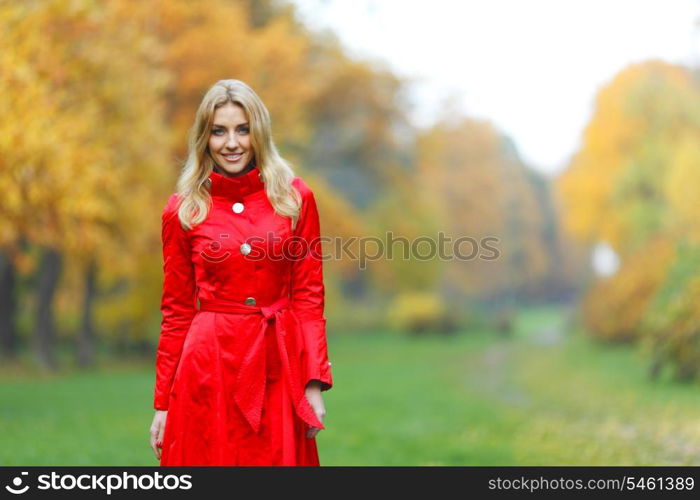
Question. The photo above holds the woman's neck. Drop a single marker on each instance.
(247, 169)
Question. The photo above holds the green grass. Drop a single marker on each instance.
(546, 396)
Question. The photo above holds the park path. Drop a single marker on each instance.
(597, 423)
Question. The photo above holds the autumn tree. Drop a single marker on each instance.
(83, 148)
(630, 185)
(483, 192)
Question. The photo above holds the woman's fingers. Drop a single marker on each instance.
(316, 401)
(154, 439)
(159, 443)
(157, 431)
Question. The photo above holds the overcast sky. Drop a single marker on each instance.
(531, 67)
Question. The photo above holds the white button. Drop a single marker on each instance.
(237, 207)
(329, 363)
(245, 249)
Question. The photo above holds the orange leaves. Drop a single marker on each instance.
(204, 45)
(82, 123)
(615, 307)
(681, 187)
(613, 186)
(475, 187)
(634, 185)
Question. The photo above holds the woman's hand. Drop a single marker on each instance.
(157, 430)
(313, 395)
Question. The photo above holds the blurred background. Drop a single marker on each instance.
(569, 131)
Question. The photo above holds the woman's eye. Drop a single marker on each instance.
(244, 130)
(217, 131)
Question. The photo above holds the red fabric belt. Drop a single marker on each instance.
(250, 382)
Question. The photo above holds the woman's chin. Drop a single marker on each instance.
(228, 168)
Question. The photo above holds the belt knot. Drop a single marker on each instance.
(251, 380)
(270, 311)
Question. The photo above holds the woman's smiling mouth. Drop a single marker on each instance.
(233, 157)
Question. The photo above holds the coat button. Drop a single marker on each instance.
(250, 301)
(237, 207)
(245, 248)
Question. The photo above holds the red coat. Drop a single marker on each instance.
(232, 371)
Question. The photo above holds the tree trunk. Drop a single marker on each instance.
(86, 336)
(49, 273)
(8, 307)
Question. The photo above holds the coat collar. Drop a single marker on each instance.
(236, 187)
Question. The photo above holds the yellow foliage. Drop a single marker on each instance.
(634, 184)
(681, 188)
(479, 189)
(207, 44)
(417, 312)
(672, 324)
(613, 188)
(614, 307)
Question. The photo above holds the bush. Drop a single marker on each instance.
(614, 307)
(672, 323)
(421, 313)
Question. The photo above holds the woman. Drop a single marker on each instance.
(239, 378)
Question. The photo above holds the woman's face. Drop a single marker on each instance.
(229, 141)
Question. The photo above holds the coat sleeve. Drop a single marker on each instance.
(308, 291)
(178, 304)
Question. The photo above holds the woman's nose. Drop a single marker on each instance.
(232, 141)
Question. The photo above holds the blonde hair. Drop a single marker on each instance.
(193, 185)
